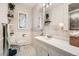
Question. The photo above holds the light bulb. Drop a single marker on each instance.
(50, 4)
(47, 5)
(61, 25)
(44, 4)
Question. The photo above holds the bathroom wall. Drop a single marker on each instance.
(14, 25)
(3, 19)
(36, 19)
(3, 12)
(58, 14)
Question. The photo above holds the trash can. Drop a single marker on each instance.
(12, 52)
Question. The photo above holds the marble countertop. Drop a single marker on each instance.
(76, 33)
(1, 38)
(61, 44)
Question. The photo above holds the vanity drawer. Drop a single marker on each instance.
(74, 41)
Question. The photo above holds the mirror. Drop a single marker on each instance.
(22, 20)
(74, 16)
(44, 16)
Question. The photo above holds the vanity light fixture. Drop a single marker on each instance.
(47, 4)
(50, 3)
(44, 4)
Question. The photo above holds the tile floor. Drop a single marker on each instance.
(27, 50)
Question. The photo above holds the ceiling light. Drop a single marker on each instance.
(44, 4)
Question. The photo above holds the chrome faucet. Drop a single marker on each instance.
(41, 32)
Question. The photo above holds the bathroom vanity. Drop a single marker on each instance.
(54, 47)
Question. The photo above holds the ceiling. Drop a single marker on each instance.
(28, 5)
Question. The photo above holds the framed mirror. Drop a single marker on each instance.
(22, 23)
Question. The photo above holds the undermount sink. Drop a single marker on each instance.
(49, 36)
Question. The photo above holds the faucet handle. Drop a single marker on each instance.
(24, 35)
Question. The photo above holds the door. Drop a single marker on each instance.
(5, 39)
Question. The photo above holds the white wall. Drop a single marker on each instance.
(3, 19)
(19, 32)
(36, 19)
(3, 12)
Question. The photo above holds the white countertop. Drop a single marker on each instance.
(1, 38)
(61, 44)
